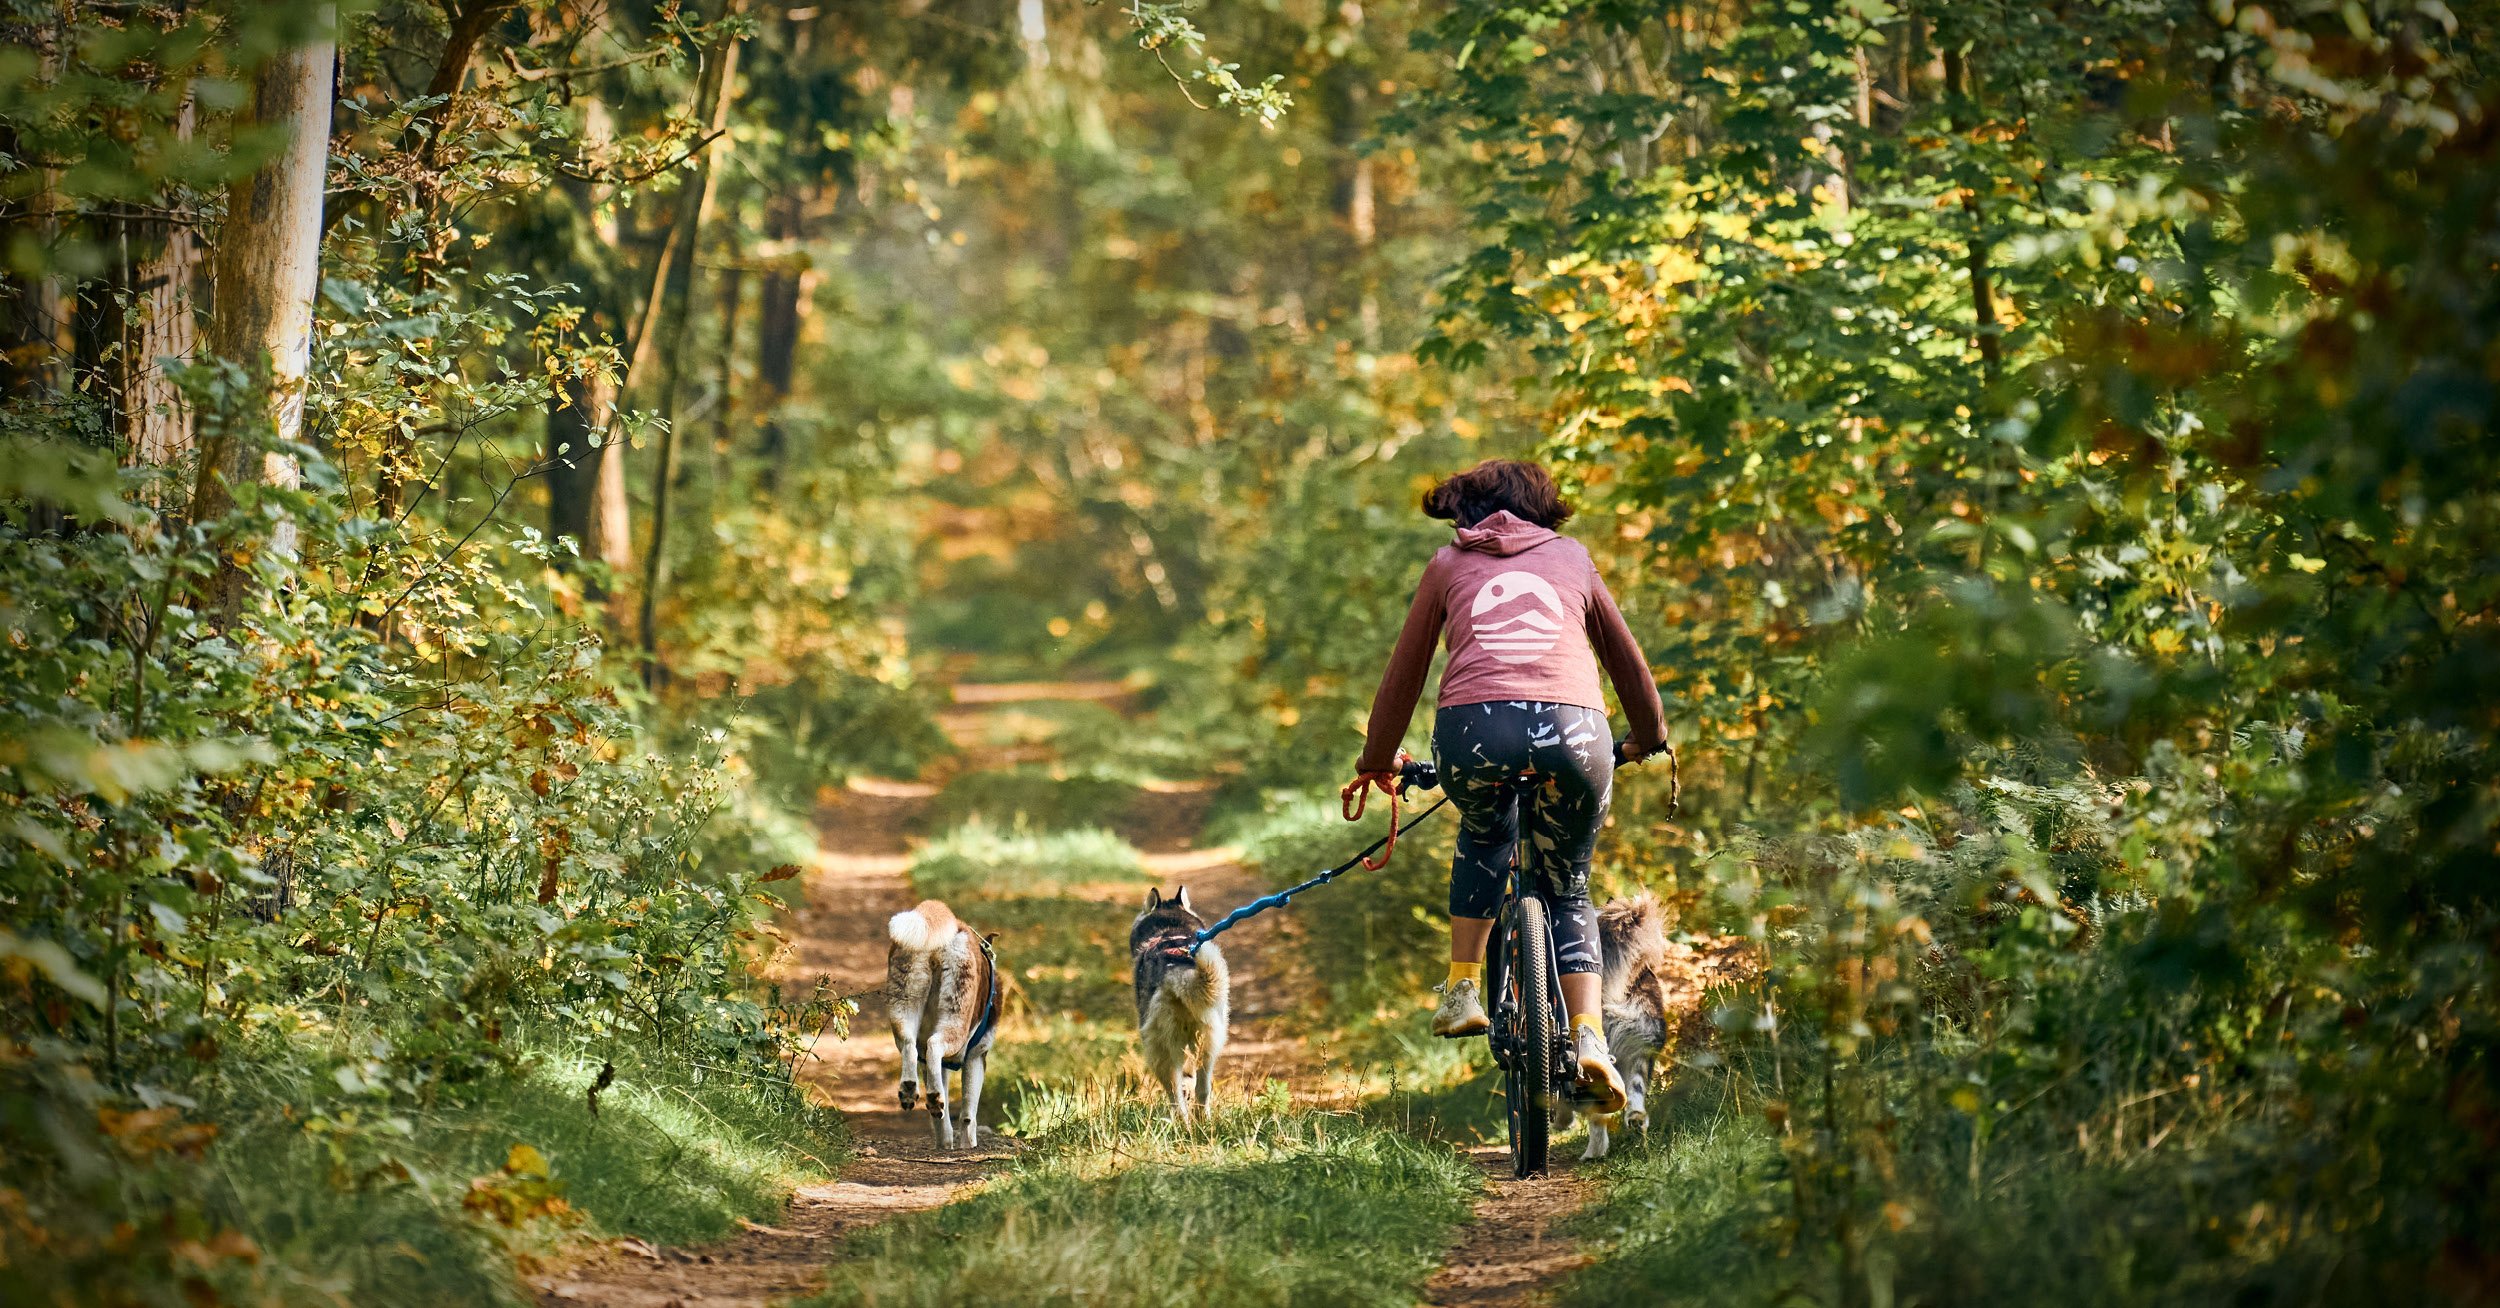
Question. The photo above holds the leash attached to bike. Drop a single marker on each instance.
(1412, 773)
(1353, 809)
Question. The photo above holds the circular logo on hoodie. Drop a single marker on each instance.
(1514, 631)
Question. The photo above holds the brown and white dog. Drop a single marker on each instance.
(940, 983)
(1632, 931)
(1184, 998)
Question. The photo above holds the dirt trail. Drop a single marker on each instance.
(858, 882)
(1513, 1249)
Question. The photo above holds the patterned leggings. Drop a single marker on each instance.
(1549, 768)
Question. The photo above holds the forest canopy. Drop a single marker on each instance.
(477, 474)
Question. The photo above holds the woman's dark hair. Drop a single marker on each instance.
(1524, 488)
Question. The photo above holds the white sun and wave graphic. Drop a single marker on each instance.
(1521, 634)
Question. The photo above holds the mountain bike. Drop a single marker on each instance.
(1530, 1036)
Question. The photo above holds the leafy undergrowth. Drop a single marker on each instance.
(1696, 1213)
(1266, 1205)
(980, 856)
(379, 1203)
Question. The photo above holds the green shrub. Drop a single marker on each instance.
(815, 731)
(285, 873)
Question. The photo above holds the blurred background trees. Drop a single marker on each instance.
(2044, 449)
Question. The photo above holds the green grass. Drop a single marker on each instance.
(1039, 798)
(1686, 1211)
(1097, 739)
(1266, 1206)
(363, 1205)
(984, 858)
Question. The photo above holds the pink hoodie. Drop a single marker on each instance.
(1525, 617)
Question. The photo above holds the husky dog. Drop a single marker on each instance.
(941, 996)
(1632, 932)
(1184, 999)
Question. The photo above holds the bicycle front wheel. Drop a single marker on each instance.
(1527, 954)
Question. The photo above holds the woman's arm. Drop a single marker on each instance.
(1626, 667)
(1402, 682)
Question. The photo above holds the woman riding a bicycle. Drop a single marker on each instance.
(1520, 735)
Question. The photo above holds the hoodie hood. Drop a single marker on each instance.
(1503, 534)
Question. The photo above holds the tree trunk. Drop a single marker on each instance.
(577, 430)
(725, 412)
(780, 305)
(611, 508)
(672, 292)
(1961, 86)
(161, 266)
(586, 491)
(41, 341)
(268, 268)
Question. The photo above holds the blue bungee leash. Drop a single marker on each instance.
(1281, 897)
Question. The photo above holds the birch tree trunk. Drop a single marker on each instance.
(268, 269)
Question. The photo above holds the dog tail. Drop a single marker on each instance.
(1632, 933)
(923, 928)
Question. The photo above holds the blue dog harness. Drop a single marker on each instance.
(989, 1010)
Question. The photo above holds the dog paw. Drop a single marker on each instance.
(1636, 1120)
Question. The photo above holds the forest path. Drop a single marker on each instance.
(858, 882)
(865, 839)
(1513, 1249)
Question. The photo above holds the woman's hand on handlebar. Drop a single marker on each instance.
(1627, 752)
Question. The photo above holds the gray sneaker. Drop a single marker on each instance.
(1599, 1083)
(1461, 1012)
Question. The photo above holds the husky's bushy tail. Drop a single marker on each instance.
(1632, 932)
(938, 984)
(924, 928)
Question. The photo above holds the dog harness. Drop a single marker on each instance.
(989, 1011)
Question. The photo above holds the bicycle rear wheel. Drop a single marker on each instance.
(1526, 953)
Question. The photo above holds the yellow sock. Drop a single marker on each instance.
(1466, 972)
(1592, 1021)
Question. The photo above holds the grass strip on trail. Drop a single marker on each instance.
(982, 857)
(1267, 1206)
